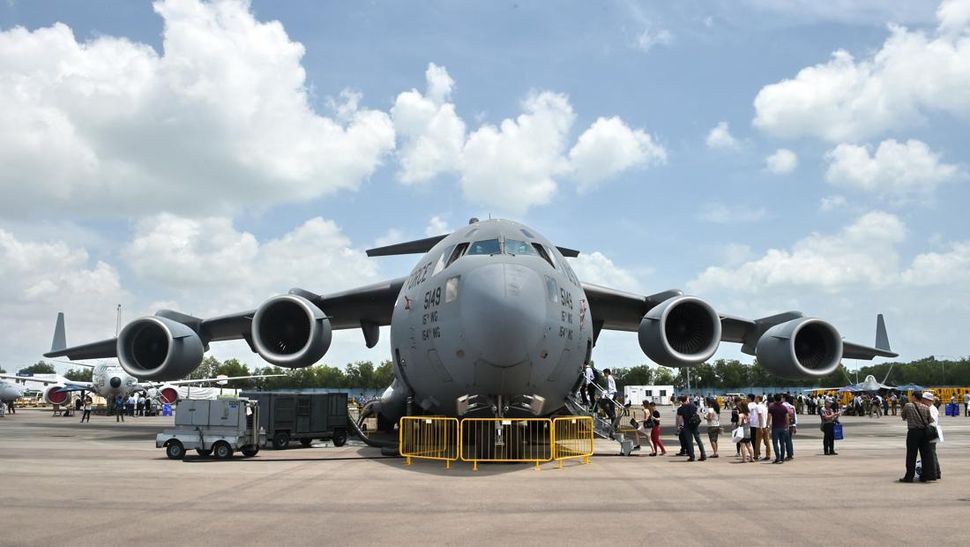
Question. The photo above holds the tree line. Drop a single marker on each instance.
(719, 374)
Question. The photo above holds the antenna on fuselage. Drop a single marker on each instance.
(118, 321)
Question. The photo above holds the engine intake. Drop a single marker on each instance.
(157, 348)
(680, 332)
(290, 331)
(799, 348)
(54, 395)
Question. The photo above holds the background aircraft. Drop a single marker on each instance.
(492, 321)
(10, 391)
(109, 380)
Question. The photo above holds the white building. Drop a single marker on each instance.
(637, 395)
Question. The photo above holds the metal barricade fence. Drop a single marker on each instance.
(506, 440)
(429, 438)
(572, 438)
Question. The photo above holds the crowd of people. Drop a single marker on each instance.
(762, 428)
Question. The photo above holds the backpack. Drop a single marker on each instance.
(693, 421)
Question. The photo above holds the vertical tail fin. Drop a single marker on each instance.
(60, 340)
(882, 338)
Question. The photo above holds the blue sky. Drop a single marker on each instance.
(765, 155)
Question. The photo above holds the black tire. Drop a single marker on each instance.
(281, 440)
(222, 450)
(204, 452)
(250, 451)
(174, 450)
(339, 437)
(305, 442)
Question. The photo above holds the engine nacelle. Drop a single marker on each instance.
(55, 396)
(290, 331)
(800, 348)
(680, 332)
(157, 348)
(168, 394)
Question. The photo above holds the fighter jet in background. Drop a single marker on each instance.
(492, 321)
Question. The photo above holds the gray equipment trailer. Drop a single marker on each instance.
(218, 427)
(291, 415)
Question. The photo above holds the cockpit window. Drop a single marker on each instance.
(542, 252)
(485, 247)
(515, 247)
(457, 253)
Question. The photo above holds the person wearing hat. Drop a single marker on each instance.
(935, 422)
(917, 418)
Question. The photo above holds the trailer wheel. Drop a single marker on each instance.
(339, 437)
(306, 442)
(174, 450)
(204, 452)
(250, 451)
(222, 450)
(281, 440)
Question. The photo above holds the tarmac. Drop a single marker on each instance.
(62, 482)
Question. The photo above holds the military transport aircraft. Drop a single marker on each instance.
(492, 321)
(109, 380)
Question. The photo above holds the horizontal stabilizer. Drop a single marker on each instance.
(408, 247)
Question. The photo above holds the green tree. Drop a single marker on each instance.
(40, 367)
(79, 374)
(664, 376)
(360, 374)
(206, 369)
(384, 374)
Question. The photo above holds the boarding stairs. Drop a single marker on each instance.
(602, 426)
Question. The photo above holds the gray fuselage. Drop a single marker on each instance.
(491, 321)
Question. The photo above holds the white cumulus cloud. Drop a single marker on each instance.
(720, 138)
(899, 171)
(219, 119)
(432, 134)
(848, 99)
(863, 253)
(608, 147)
(782, 162)
(598, 269)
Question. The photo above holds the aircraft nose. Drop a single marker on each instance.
(503, 312)
(115, 382)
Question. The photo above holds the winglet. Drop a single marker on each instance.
(60, 340)
(882, 339)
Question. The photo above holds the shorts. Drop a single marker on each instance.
(713, 432)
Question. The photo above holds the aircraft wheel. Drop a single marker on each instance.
(174, 450)
(305, 442)
(281, 440)
(222, 450)
(339, 437)
(204, 452)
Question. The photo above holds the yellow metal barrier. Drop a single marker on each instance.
(429, 438)
(506, 440)
(572, 438)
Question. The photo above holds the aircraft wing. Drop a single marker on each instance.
(366, 308)
(611, 309)
(205, 380)
(69, 385)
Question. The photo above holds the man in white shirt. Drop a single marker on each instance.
(587, 380)
(934, 422)
(765, 433)
(754, 419)
(966, 404)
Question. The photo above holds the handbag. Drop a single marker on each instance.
(837, 433)
(932, 433)
(737, 435)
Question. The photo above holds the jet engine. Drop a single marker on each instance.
(157, 348)
(168, 394)
(55, 396)
(799, 348)
(290, 331)
(681, 331)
